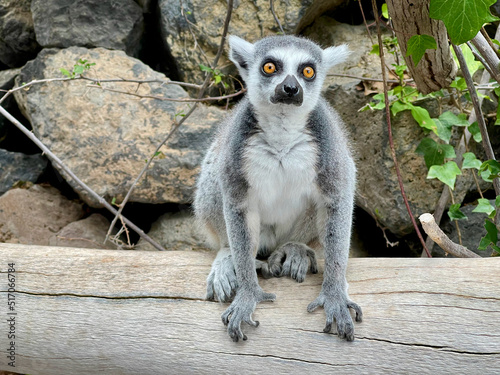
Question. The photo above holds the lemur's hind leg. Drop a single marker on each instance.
(221, 282)
(293, 259)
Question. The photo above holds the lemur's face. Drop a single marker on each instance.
(284, 73)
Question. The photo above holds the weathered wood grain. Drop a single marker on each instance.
(123, 312)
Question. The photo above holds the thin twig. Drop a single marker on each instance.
(276, 17)
(25, 86)
(490, 56)
(478, 56)
(367, 79)
(157, 97)
(177, 125)
(389, 128)
(366, 24)
(61, 165)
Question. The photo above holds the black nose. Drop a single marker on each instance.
(291, 90)
(288, 92)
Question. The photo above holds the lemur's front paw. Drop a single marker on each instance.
(241, 310)
(221, 281)
(337, 305)
(293, 259)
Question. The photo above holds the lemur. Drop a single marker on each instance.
(278, 178)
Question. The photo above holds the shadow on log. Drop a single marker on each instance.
(84, 311)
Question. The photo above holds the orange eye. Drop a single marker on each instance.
(308, 72)
(269, 68)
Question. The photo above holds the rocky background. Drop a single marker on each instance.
(104, 137)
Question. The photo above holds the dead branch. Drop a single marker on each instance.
(438, 236)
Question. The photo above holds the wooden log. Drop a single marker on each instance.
(82, 311)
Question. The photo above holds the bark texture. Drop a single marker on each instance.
(436, 69)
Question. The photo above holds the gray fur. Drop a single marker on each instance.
(279, 177)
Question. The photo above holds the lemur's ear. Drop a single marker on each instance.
(240, 53)
(335, 55)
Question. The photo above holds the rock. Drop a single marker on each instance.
(472, 230)
(328, 32)
(17, 36)
(32, 216)
(175, 231)
(105, 137)
(192, 29)
(7, 78)
(88, 233)
(17, 167)
(115, 24)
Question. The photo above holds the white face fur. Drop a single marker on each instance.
(290, 56)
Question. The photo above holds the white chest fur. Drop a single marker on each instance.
(280, 167)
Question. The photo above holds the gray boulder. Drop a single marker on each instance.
(31, 216)
(115, 24)
(7, 78)
(17, 35)
(87, 233)
(192, 29)
(17, 167)
(176, 231)
(105, 137)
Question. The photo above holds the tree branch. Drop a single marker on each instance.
(438, 236)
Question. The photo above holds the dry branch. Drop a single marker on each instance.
(439, 237)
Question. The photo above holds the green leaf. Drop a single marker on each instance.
(489, 170)
(497, 121)
(463, 18)
(446, 173)
(434, 153)
(446, 122)
(470, 60)
(454, 212)
(65, 72)
(491, 237)
(375, 50)
(470, 161)
(476, 133)
(113, 201)
(205, 68)
(459, 83)
(484, 205)
(418, 44)
(443, 131)
(450, 119)
(78, 69)
(497, 201)
(385, 12)
(423, 118)
(399, 106)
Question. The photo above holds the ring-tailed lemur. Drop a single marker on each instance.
(279, 177)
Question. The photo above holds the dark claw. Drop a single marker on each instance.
(327, 328)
